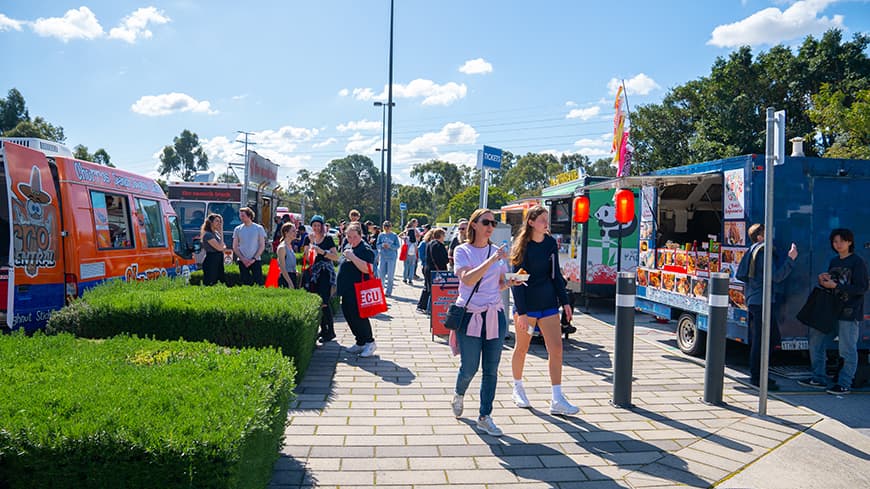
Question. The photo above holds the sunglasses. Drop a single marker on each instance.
(487, 222)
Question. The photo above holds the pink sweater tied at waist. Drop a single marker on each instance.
(475, 324)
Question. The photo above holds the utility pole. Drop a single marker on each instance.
(245, 183)
(389, 186)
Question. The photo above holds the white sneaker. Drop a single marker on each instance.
(355, 348)
(369, 349)
(563, 407)
(457, 404)
(520, 399)
(488, 425)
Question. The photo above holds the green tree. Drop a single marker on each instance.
(346, 183)
(228, 177)
(443, 178)
(530, 174)
(37, 128)
(846, 126)
(184, 158)
(603, 167)
(722, 114)
(100, 157)
(13, 110)
(467, 201)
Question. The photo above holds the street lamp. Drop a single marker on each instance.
(389, 185)
(382, 149)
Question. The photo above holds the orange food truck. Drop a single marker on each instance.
(67, 225)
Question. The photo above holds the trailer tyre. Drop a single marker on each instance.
(690, 339)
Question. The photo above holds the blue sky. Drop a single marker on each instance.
(526, 76)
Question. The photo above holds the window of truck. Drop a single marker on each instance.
(112, 220)
(229, 211)
(560, 221)
(151, 219)
(191, 214)
(178, 244)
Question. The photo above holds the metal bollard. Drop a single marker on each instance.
(624, 343)
(714, 372)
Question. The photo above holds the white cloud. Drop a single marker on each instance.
(477, 66)
(75, 24)
(428, 145)
(240, 97)
(639, 85)
(431, 92)
(343, 92)
(570, 103)
(772, 25)
(595, 147)
(362, 144)
(584, 114)
(6, 24)
(363, 125)
(168, 103)
(284, 139)
(324, 143)
(135, 25)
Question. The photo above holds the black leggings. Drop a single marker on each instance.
(360, 327)
(324, 289)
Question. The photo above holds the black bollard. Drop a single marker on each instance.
(624, 343)
(714, 373)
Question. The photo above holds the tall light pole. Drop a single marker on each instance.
(389, 186)
(382, 149)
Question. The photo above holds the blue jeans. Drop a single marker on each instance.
(471, 349)
(848, 345)
(386, 271)
(410, 266)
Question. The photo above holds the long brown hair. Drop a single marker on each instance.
(207, 225)
(518, 248)
(475, 216)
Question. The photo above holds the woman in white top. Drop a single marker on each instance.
(483, 328)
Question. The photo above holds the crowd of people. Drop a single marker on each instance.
(536, 283)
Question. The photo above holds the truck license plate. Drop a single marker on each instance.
(795, 345)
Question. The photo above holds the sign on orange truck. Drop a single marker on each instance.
(67, 225)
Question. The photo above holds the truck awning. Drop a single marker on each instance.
(651, 181)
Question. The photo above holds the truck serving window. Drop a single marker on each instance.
(151, 219)
(178, 244)
(111, 220)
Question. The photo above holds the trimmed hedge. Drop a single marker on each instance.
(138, 413)
(231, 275)
(169, 309)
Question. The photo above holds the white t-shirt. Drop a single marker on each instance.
(467, 256)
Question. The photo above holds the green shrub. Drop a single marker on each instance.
(168, 309)
(137, 413)
(231, 275)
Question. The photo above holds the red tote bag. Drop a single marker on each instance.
(370, 300)
(403, 253)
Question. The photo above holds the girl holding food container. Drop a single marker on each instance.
(537, 299)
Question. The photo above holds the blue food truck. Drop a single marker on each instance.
(695, 221)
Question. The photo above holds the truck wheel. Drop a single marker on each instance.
(690, 339)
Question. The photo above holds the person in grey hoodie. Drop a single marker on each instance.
(751, 272)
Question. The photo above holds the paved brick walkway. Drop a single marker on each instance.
(386, 421)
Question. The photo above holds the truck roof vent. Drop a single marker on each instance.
(203, 176)
(50, 148)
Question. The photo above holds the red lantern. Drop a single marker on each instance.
(581, 209)
(624, 199)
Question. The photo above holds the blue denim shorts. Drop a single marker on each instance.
(542, 314)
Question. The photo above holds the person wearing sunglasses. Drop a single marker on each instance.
(481, 270)
(537, 302)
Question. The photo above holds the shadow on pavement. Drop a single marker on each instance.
(289, 472)
(528, 461)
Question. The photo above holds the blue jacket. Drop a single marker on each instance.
(393, 252)
(755, 267)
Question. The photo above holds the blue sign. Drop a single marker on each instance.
(491, 157)
(403, 206)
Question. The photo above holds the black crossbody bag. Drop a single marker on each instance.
(455, 314)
